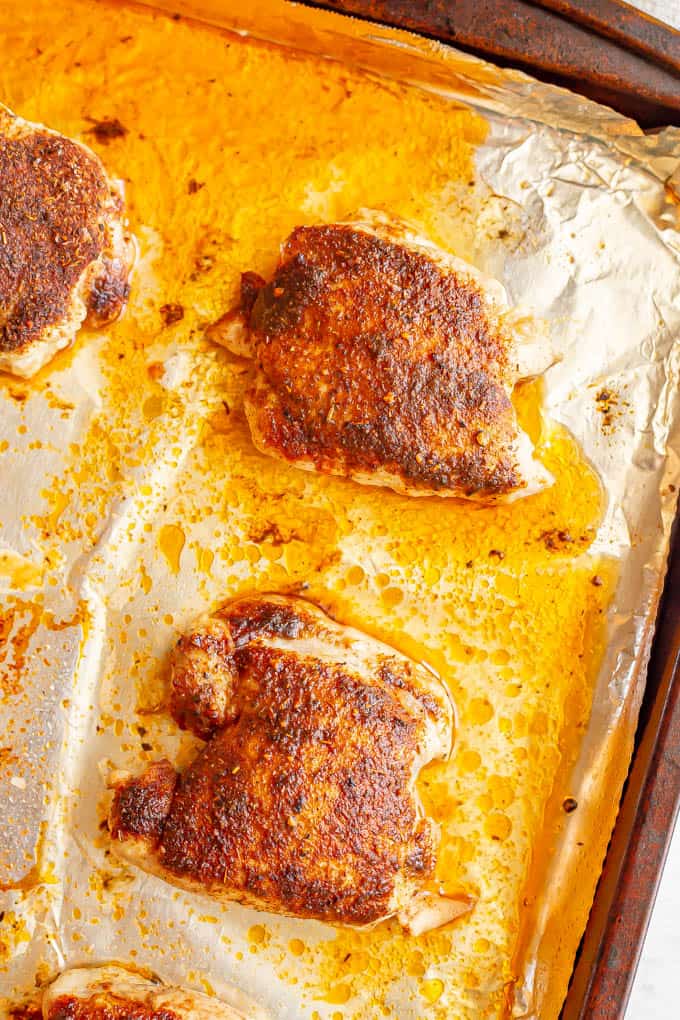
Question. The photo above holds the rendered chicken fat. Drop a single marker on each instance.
(303, 800)
(383, 358)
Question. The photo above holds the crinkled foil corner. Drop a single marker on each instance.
(600, 202)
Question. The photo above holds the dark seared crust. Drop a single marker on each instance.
(304, 801)
(54, 204)
(373, 357)
(204, 671)
(109, 292)
(251, 285)
(201, 680)
(249, 619)
(142, 805)
(108, 1007)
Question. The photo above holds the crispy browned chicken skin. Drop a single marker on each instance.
(303, 800)
(64, 254)
(381, 357)
(111, 992)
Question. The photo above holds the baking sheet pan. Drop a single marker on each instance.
(561, 161)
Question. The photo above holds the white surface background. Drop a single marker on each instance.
(665, 10)
(656, 992)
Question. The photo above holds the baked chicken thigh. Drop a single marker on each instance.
(64, 253)
(114, 993)
(381, 357)
(303, 799)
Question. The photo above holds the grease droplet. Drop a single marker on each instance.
(171, 543)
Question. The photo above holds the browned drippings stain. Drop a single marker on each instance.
(107, 129)
(27, 1011)
(19, 622)
(611, 407)
(171, 313)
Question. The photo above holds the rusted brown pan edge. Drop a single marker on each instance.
(550, 45)
(627, 889)
(632, 28)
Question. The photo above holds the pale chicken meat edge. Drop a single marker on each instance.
(112, 992)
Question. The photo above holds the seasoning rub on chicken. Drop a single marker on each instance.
(64, 253)
(383, 358)
(112, 992)
(303, 800)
